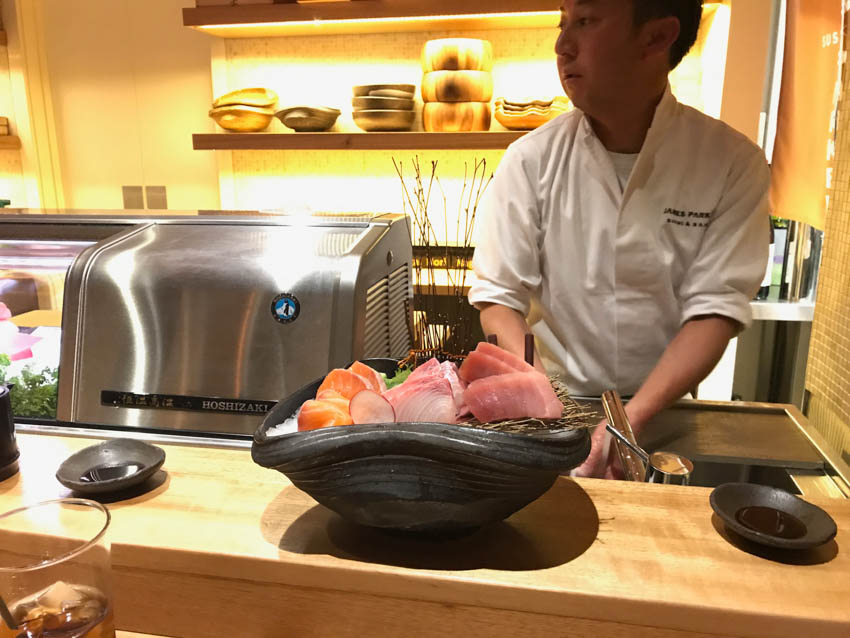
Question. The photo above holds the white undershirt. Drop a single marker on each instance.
(623, 165)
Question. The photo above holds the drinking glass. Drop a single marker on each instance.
(55, 571)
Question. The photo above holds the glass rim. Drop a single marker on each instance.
(74, 552)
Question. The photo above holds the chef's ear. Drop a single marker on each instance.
(659, 35)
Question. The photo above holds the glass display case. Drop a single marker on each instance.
(32, 282)
(35, 253)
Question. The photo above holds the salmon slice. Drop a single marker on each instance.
(376, 381)
(328, 393)
(346, 382)
(321, 414)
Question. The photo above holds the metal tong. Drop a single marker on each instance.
(638, 465)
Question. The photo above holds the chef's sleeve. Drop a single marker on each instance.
(506, 262)
(731, 262)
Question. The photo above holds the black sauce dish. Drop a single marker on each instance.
(111, 466)
(420, 478)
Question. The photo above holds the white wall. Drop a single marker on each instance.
(130, 84)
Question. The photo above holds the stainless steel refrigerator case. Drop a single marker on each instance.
(202, 324)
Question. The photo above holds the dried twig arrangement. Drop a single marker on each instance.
(443, 324)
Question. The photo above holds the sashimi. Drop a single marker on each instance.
(513, 396)
(427, 399)
(509, 358)
(431, 368)
(375, 380)
(450, 374)
(346, 382)
(479, 365)
(447, 370)
(321, 414)
(488, 360)
(367, 406)
(329, 393)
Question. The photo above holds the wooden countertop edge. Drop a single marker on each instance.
(200, 548)
(437, 588)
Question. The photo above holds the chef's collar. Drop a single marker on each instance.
(663, 114)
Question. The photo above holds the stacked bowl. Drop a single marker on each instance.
(245, 110)
(524, 116)
(457, 84)
(383, 107)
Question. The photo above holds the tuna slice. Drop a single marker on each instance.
(428, 399)
(479, 365)
(367, 406)
(513, 396)
(517, 363)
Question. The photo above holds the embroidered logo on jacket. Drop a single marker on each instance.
(689, 218)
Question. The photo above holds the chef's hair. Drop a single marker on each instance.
(688, 12)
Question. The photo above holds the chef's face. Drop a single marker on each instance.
(598, 50)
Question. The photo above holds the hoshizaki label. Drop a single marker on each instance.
(180, 402)
(286, 308)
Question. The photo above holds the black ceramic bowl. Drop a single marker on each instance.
(111, 466)
(427, 478)
(773, 517)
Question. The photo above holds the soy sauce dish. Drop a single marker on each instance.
(110, 466)
(772, 517)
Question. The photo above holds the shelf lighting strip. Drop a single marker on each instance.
(320, 23)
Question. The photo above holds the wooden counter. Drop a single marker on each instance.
(225, 548)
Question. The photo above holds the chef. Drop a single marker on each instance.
(630, 234)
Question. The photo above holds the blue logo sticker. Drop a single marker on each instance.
(286, 308)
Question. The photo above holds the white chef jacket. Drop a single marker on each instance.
(607, 276)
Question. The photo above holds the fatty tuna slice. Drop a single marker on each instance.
(513, 396)
(449, 371)
(428, 399)
(431, 368)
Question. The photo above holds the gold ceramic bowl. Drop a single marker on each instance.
(393, 90)
(308, 118)
(384, 119)
(244, 119)
(524, 116)
(257, 97)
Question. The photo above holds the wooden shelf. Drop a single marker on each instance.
(2, 38)
(9, 142)
(369, 16)
(354, 141)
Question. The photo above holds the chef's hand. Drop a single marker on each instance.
(603, 461)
